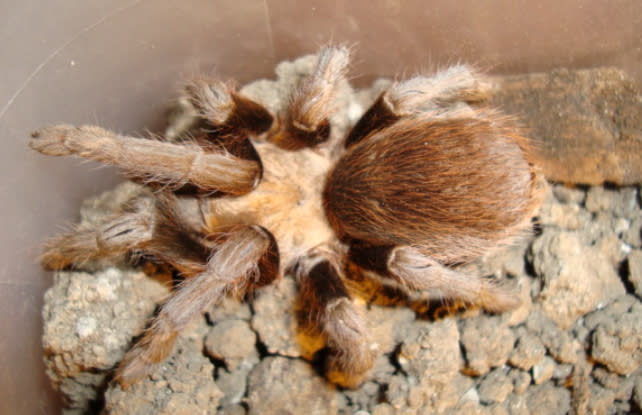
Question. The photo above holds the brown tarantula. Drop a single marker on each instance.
(427, 179)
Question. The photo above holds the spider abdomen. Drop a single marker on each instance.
(456, 187)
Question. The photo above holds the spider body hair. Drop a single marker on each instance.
(456, 188)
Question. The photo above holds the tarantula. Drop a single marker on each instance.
(426, 179)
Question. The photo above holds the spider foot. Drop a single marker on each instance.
(352, 351)
(331, 312)
(144, 357)
(59, 140)
(417, 271)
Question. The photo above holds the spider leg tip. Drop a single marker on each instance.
(51, 141)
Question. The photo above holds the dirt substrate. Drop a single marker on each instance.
(574, 346)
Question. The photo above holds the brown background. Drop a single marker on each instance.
(118, 63)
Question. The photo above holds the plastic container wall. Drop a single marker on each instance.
(119, 63)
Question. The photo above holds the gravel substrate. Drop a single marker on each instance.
(574, 346)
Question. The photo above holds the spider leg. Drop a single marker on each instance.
(331, 311)
(235, 266)
(445, 95)
(173, 165)
(417, 271)
(307, 122)
(118, 235)
(233, 115)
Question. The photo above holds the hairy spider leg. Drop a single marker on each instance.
(115, 236)
(417, 271)
(232, 115)
(445, 95)
(149, 161)
(306, 123)
(233, 267)
(330, 311)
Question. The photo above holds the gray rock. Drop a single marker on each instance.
(229, 308)
(580, 332)
(621, 202)
(431, 357)
(622, 408)
(487, 342)
(495, 386)
(599, 199)
(528, 351)
(627, 203)
(622, 386)
(637, 393)
(233, 342)
(232, 410)
(544, 370)
(566, 194)
(562, 372)
(576, 278)
(635, 271)
(89, 321)
(273, 94)
(441, 397)
(431, 351)
(463, 385)
(182, 385)
(621, 306)
(498, 409)
(616, 335)
(274, 319)
(232, 384)
(390, 326)
(548, 399)
(521, 380)
(280, 386)
(429, 396)
(600, 400)
(417, 397)
(601, 226)
(97, 209)
(633, 235)
(470, 408)
(397, 392)
(618, 343)
(565, 216)
(558, 343)
(622, 225)
(383, 409)
(471, 395)
(518, 405)
(364, 397)
(613, 249)
(383, 369)
(519, 315)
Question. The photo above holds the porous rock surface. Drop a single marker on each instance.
(574, 346)
(588, 123)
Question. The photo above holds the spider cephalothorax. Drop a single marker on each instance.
(425, 180)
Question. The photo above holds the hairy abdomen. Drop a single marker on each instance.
(456, 188)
